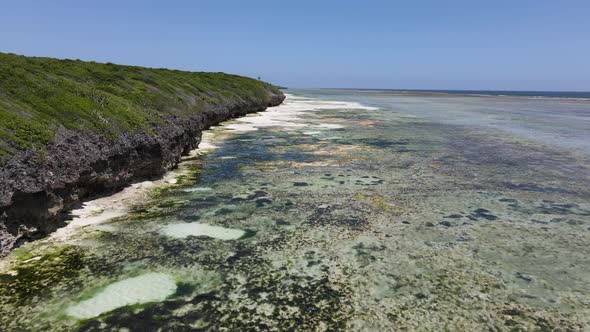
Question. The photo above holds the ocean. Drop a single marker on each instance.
(582, 95)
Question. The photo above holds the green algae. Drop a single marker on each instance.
(33, 276)
(377, 202)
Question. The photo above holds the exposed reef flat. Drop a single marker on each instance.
(73, 130)
(380, 220)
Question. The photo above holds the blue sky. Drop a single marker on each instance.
(505, 45)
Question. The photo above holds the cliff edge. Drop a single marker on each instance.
(72, 130)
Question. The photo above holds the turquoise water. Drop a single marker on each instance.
(355, 210)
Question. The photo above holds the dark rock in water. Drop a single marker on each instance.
(524, 277)
(257, 194)
(405, 222)
(575, 222)
(548, 207)
(262, 202)
(508, 200)
(191, 218)
(223, 212)
(464, 238)
(300, 184)
(454, 216)
(429, 224)
(482, 213)
(281, 222)
(325, 216)
(511, 202)
(445, 223)
(421, 296)
(249, 233)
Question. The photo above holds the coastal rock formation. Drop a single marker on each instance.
(40, 183)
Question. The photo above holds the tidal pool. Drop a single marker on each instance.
(426, 213)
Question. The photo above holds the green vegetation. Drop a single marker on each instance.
(35, 275)
(40, 95)
(376, 202)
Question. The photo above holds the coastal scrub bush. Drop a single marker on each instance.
(40, 95)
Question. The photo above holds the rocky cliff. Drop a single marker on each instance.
(73, 130)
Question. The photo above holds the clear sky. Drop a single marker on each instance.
(419, 44)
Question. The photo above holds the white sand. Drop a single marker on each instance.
(149, 287)
(105, 208)
(182, 230)
(117, 205)
(289, 115)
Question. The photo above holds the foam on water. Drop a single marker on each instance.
(149, 287)
(182, 230)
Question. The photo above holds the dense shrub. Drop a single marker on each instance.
(39, 95)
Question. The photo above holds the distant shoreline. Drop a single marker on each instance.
(574, 95)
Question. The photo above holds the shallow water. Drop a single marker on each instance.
(150, 287)
(341, 210)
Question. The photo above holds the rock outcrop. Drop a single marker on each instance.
(39, 186)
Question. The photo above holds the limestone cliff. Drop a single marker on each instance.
(72, 130)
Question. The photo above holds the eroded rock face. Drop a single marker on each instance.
(36, 192)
